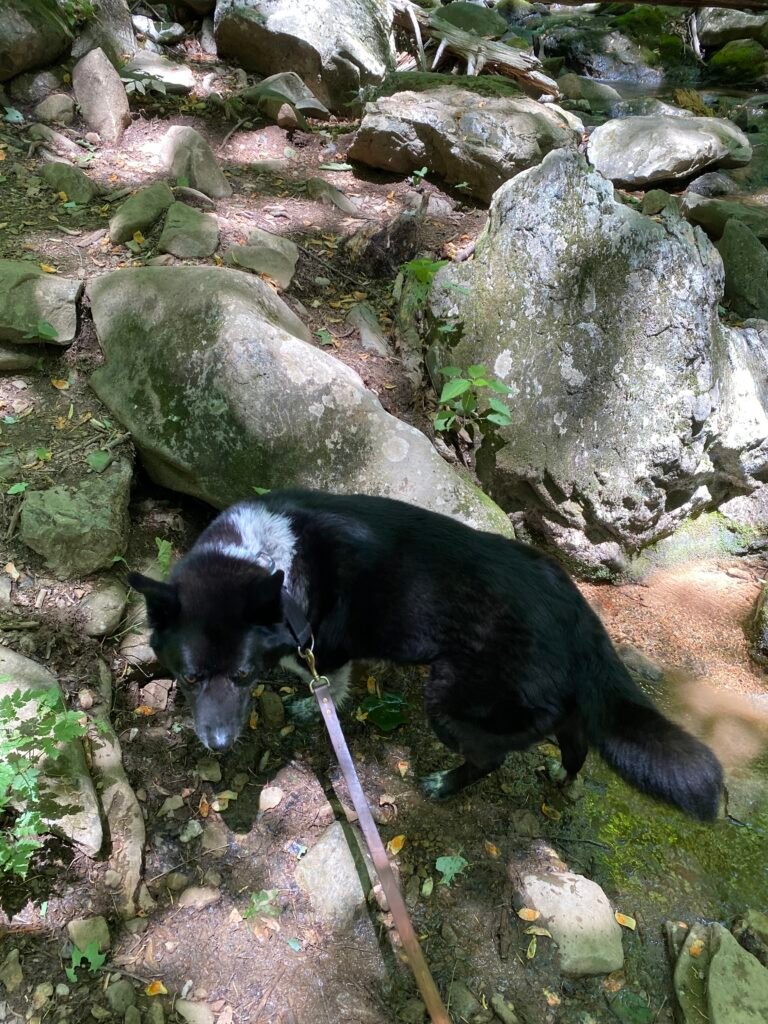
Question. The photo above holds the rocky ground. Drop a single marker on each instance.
(236, 889)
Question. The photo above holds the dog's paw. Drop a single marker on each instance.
(437, 786)
(304, 711)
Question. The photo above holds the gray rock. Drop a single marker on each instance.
(155, 1013)
(339, 46)
(218, 351)
(758, 647)
(186, 154)
(569, 299)
(597, 94)
(459, 139)
(79, 529)
(272, 710)
(68, 800)
(165, 33)
(268, 254)
(34, 86)
(635, 151)
(189, 234)
(737, 983)
(198, 897)
(120, 995)
(133, 1013)
(657, 200)
(12, 359)
(76, 183)
(194, 1013)
(84, 930)
(177, 78)
(713, 183)
(595, 49)
(56, 141)
(31, 297)
(328, 875)
(647, 106)
(140, 211)
(192, 197)
(58, 108)
(135, 647)
(473, 18)
(363, 318)
(713, 214)
(101, 96)
(577, 913)
(207, 37)
(462, 1002)
(751, 932)
(11, 974)
(109, 30)
(101, 612)
(718, 26)
(289, 85)
(745, 261)
(33, 33)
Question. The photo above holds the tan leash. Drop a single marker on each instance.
(320, 687)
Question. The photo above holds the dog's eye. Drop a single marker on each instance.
(192, 680)
(242, 674)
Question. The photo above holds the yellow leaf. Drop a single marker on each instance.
(360, 715)
(60, 384)
(625, 921)
(528, 914)
(553, 999)
(696, 948)
(144, 710)
(551, 812)
(48, 269)
(203, 807)
(371, 685)
(287, 730)
(2, 154)
(614, 982)
(12, 571)
(253, 721)
(536, 929)
(138, 238)
(491, 849)
(395, 845)
(530, 953)
(258, 690)
(66, 79)
(156, 988)
(63, 196)
(218, 260)
(402, 767)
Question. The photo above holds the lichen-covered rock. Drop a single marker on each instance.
(740, 61)
(31, 297)
(578, 87)
(737, 983)
(266, 253)
(78, 187)
(109, 29)
(185, 154)
(101, 96)
(635, 151)
(201, 361)
(289, 85)
(336, 46)
(69, 804)
(80, 529)
(33, 33)
(745, 261)
(713, 214)
(632, 408)
(460, 139)
(140, 211)
(188, 234)
(329, 877)
(718, 26)
(58, 108)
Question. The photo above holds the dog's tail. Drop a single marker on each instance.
(647, 750)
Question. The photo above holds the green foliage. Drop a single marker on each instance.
(418, 274)
(417, 177)
(449, 867)
(18, 488)
(92, 957)
(164, 556)
(262, 904)
(465, 405)
(141, 83)
(386, 710)
(42, 330)
(22, 744)
(77, 12)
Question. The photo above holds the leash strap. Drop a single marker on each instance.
(426, 984)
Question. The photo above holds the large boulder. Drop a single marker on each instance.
(101, 96)
(632, 408)
(68, 800)
(635, 151)
(109, 29)
(186, 155)
(216, 380)
(336, 46)
(32, 298)
(745, 261)
(459, 138)
(713, 214)
(718, 26)
(177, 78)
(32, 34)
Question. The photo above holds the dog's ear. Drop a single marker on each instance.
(265, 598)
(162, 598)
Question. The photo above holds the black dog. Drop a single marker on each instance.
(515, 652)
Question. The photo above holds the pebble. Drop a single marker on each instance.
(272, 710)
(83, 930)
(120, 995)
(209, 770)
(199, 897)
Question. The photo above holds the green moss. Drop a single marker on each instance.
(741, 60)
(420, 81)
(709, 535)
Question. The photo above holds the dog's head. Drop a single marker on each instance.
(216, 624)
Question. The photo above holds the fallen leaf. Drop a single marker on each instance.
(395, 845)
(428, 886)
(145, 710)
(536, 929)
(625, 921)
(530, 953)
(403, 767)
(614, 981)
(223, 799)
(156, 988)
(138, 238)
(553, 999)
(12, 571)
(253, 721)
(48, 269)
(203, 808)
(491, 849)
(60, 384)
(696, 948)
(371, 685)
(528, 914)
(551, 812)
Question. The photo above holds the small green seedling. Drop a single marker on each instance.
(18, 488)
(460, 406)
(386, 711)
(92, 957)
(42, 330)
(164, 556)
(417, 177)
(450, 867)
(262, 904)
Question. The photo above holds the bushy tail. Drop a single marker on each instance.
(650, 752)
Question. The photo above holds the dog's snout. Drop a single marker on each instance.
(219, 739)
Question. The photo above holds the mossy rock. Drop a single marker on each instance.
(741, 60)
(422, 81)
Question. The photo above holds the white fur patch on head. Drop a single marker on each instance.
(265, 537)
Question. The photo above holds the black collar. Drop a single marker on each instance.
(296, 621)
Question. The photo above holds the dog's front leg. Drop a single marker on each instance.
(305, 710)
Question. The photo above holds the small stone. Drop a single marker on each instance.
(272, 710)
(93, 137)
(155, 694)
(215, 839)
(199, 896)
(140, 211)
(84, 930)
(171, 804)
(166, 33)
(412, 1012)
(504, 1010)
(10, 971)
(449, 933)
(190, 831)
(176, 881)
(120, 995)
(155, 1013)
(56, 109)
(188, 233)
(62, 990)
(329, 877)
(208, 769)
(86, 698)
(112, 879)
(462, 1002)
(363, 318)
(212, 878)
(100, 1013)
(102, 610)
(132, 1015)
(186, 154)
(267, 254)
(194, 1013)
(137, 925)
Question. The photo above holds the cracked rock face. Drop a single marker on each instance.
(632, 407)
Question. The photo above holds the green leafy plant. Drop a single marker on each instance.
(449, 867)
(386, 710)
(141, 83)
(77, 12)
(24, 741)
(418, 274)
(18, 488)
(164, 556)
(262, 904)
(92, 957)
(417, 177)
(42, 330)
(465, 404)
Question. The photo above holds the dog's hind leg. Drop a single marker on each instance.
(482, 756)
(573, 747)
(445, 784)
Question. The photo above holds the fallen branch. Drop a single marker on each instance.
(480, 54)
